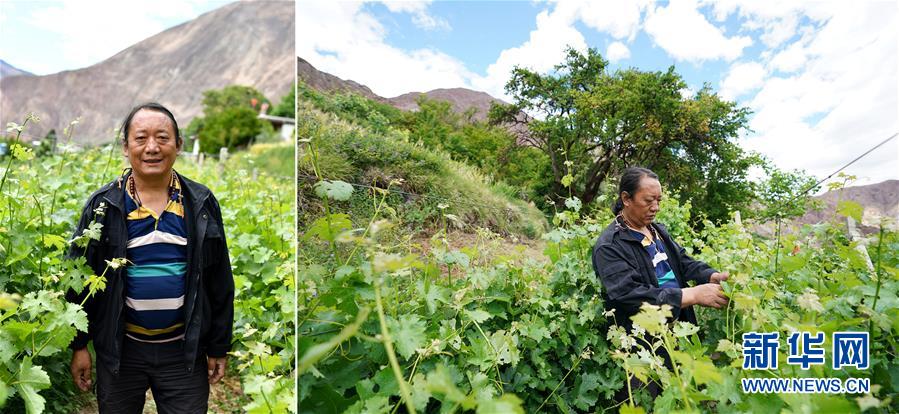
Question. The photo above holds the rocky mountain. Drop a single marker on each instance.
(7, 70)
(326, 82)
(461, 99)
(879, 200)
(243, 43)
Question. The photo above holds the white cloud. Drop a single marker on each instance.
(345, 40)
(841, 99)
(620, 19)
(790, 59)
(685, 34)
(341, 38)
(419, 11)
(777, 31)
(617, 51)
(743, 77)
(544, 49)
(556, 31)
(777, 20)
(92, 31)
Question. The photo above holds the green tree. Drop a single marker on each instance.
(230, 118)
(433, 123)
(232, 96)
(784, 194)
(287, 106)
(592, 124)
(47, 145)
(231, 127)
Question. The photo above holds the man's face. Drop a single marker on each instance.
(151, 147)
(642, 206)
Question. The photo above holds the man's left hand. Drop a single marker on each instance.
(718, 277)
(216, 368)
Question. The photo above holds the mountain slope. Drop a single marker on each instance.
(328, 83)
(879, 200)
(7, 70)
(462, 100)
(246, 43)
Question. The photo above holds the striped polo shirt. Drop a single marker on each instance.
(659, 260)
(157, 254)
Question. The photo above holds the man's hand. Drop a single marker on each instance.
(718, 277)
(709, 294)
(216, 368)
(81, 369)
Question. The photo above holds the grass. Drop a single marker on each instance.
(276, 159)
(429, 188)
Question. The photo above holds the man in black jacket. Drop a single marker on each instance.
(170, 308)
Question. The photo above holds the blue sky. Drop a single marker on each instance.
(44, 37)
(475, 23)
(820, 77)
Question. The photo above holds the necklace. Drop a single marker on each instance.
(653, 234)
(132, 188)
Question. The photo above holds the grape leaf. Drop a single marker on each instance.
(508, 403)
(408, 334)
(850, 208)
(334, 189)
(30, 380)
(478, 315)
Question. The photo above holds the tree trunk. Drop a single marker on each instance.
(598, 174)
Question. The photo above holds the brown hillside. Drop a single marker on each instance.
(7, 70)
(461, 99)
(879, 200)
(328, 83)
(245, 43)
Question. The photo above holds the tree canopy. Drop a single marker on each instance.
(230, 118)
(593, 123)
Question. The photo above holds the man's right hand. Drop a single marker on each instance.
(709, 294)
(81, 368)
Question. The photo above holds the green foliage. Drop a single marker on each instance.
(477, 333)
(335, 190)
(230, 127)
(425, 179)
(287, 106)
(492, 149)
(36, 323)
(47, 145)
(274, 159)
(434, 124)
(784, 194)
(42, 198)
(602, 122)
(230, 119)
(528, 170)
(232, 96)
(256, 213)
(377, 116)
(497, 337)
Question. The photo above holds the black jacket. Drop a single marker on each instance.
(209, 288)
(629, 279)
